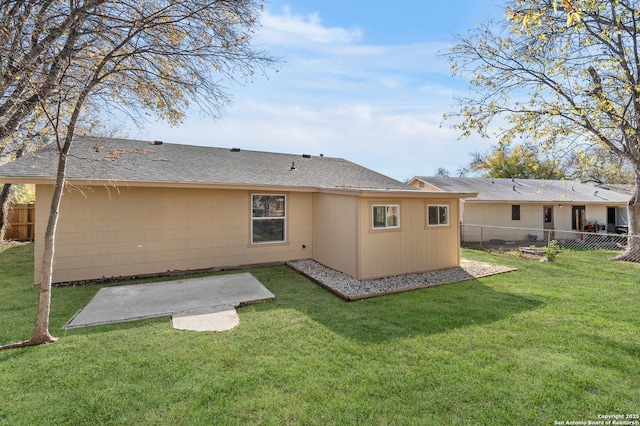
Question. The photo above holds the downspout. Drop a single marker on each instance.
(358, 201)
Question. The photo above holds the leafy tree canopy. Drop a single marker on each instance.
(558, 73)
(520, 161)
(153, 56)
(533, 75)
(23, 193)
(527, 162)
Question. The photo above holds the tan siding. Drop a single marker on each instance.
(415, 247)
(499, 215)
(496, 219)
(563, 218)
(425, 186)
(335, 232)
(131, 231)
(128, 231)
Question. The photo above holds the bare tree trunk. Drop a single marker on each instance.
(41, 330)
(632, 253)
(4, 210)
(41, 334)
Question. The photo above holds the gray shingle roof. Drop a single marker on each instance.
(527, 190)
(618, 187)
(108, 159)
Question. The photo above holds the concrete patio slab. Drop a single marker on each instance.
(138, 301)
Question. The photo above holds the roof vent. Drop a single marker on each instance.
(595, 193)
(155, 143)
(235, 149)
(306, 156)
(514, 187)
(293, 166)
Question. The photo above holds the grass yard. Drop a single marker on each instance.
(552, 342)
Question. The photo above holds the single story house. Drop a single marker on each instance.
(134, 208)
(509, 209)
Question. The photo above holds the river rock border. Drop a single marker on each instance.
(349, 288)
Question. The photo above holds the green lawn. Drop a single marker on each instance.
(551, 342)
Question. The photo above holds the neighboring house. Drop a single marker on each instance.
(530, 204)
(136, 208)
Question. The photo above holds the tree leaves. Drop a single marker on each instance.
(153, 55)
(554, 85)
(521, 161)
(559, 76)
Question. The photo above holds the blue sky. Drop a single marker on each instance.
(359, 80)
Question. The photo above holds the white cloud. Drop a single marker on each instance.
(288, 29)
(399, 145)
(380, 106)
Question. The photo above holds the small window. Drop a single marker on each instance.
(386, 216)
(268, 217)
(515, 212)
(438, 215)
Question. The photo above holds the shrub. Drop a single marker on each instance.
(552, 250)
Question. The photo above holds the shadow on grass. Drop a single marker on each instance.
(423, 312)
(132, 324)
(419, 312)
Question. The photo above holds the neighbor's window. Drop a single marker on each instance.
(386, 216)
(268, 218)
(438, 215)
(515, 212)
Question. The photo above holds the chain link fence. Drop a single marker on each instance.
(528, 240)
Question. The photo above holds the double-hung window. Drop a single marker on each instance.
(386, 216)
(268, 218)
(438, 215)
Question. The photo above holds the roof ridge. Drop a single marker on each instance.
(94, 158)
(190, 145)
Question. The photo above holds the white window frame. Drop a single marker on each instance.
(386, 216)
(438, 206)
(283, 218)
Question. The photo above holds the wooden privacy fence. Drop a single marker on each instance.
(22, 222)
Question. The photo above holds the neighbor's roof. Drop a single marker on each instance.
(618, 187)
(121, 161)
(527, 190)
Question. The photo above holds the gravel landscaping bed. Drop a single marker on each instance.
(349, 288)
